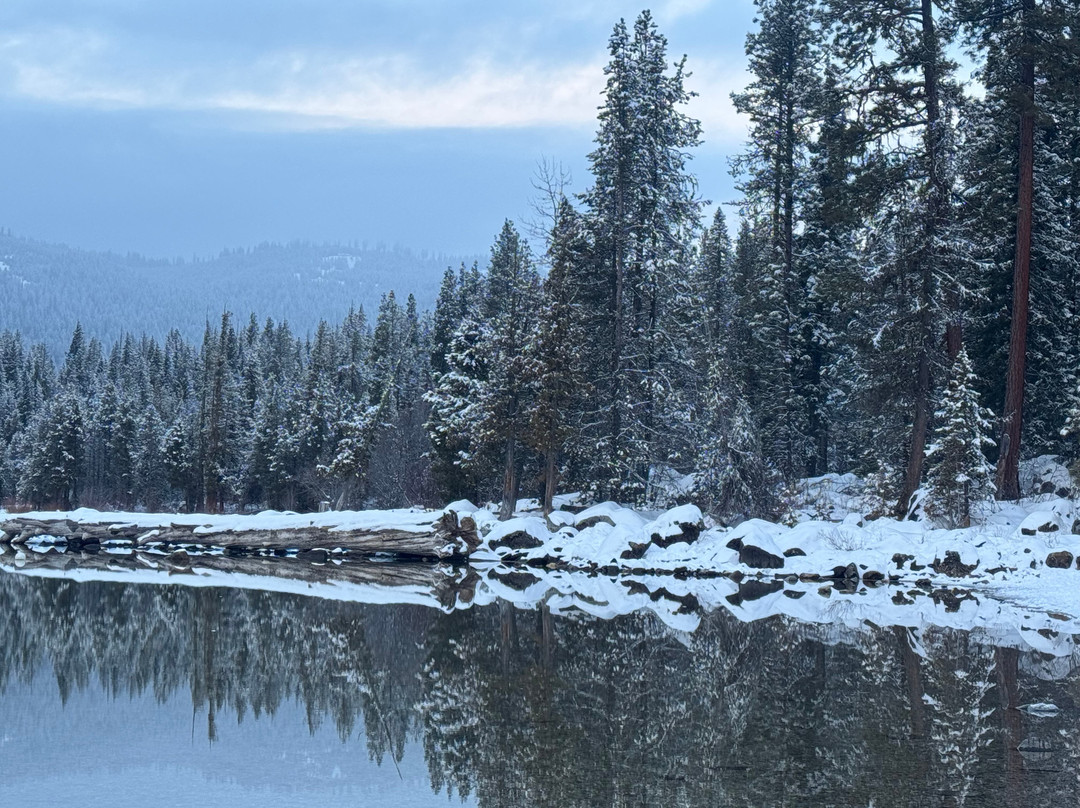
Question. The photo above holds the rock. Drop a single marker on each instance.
(899, 559)
(637, 550)
(313, 556)
(1029, 529)
(794, 594)
(518, 540)
(755, 557)
(684, 523)
(595, 520)
(1076, 527)
(809, 577)
(872, 578)
(825, 591)
(1061, 560)
(952, 566)
(793, 552)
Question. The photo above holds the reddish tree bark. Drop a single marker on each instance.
(1008, 467)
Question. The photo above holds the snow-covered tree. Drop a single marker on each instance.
(510, 308)
(959, 473)
(556, 353)
(733, 480)
(643, 213)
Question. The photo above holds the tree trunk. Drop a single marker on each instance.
(1008, 466)
(510, 482)
(920, 428)
(550, 478)
(936, 201)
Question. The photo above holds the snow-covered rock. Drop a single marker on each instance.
(612, 513)
(683, 523)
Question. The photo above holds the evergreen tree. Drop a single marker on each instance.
(643, 213)
(782, 103)
(50, 475)
(556, 353)
(959, 473)
(505, 396)
(733, 480)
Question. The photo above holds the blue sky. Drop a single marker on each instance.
(179, 127)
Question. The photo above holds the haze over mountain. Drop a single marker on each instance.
(47, 288)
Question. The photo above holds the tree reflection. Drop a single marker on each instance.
(516, 707)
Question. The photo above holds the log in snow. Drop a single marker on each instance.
(404, 533)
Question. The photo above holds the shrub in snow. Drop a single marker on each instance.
(959, 472)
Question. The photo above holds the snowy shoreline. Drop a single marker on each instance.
(1015, 574)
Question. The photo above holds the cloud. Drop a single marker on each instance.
(323, 89)
(312, 88)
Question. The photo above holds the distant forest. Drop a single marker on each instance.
(47, 288)
(901, 300)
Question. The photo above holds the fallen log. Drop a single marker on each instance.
(412, 534)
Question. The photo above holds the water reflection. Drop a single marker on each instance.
(519, 707)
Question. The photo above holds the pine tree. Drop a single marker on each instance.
(456, 464)
(782, 103)
(959, 473)
(510, 309)
(643, 214)
(732, 480)
(53, 455)
(556, 353)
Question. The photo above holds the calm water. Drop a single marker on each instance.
(117, 694)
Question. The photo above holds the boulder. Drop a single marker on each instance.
(952, 566)
(518, 540)
(684, 523)
(1061, 560)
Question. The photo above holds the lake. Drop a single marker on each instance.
(118, 693)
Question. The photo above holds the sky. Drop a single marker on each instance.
(178, 128)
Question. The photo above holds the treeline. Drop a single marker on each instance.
(254, 416)
(894, 224)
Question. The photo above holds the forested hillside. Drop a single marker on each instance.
(901, 301)
(48, 288)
